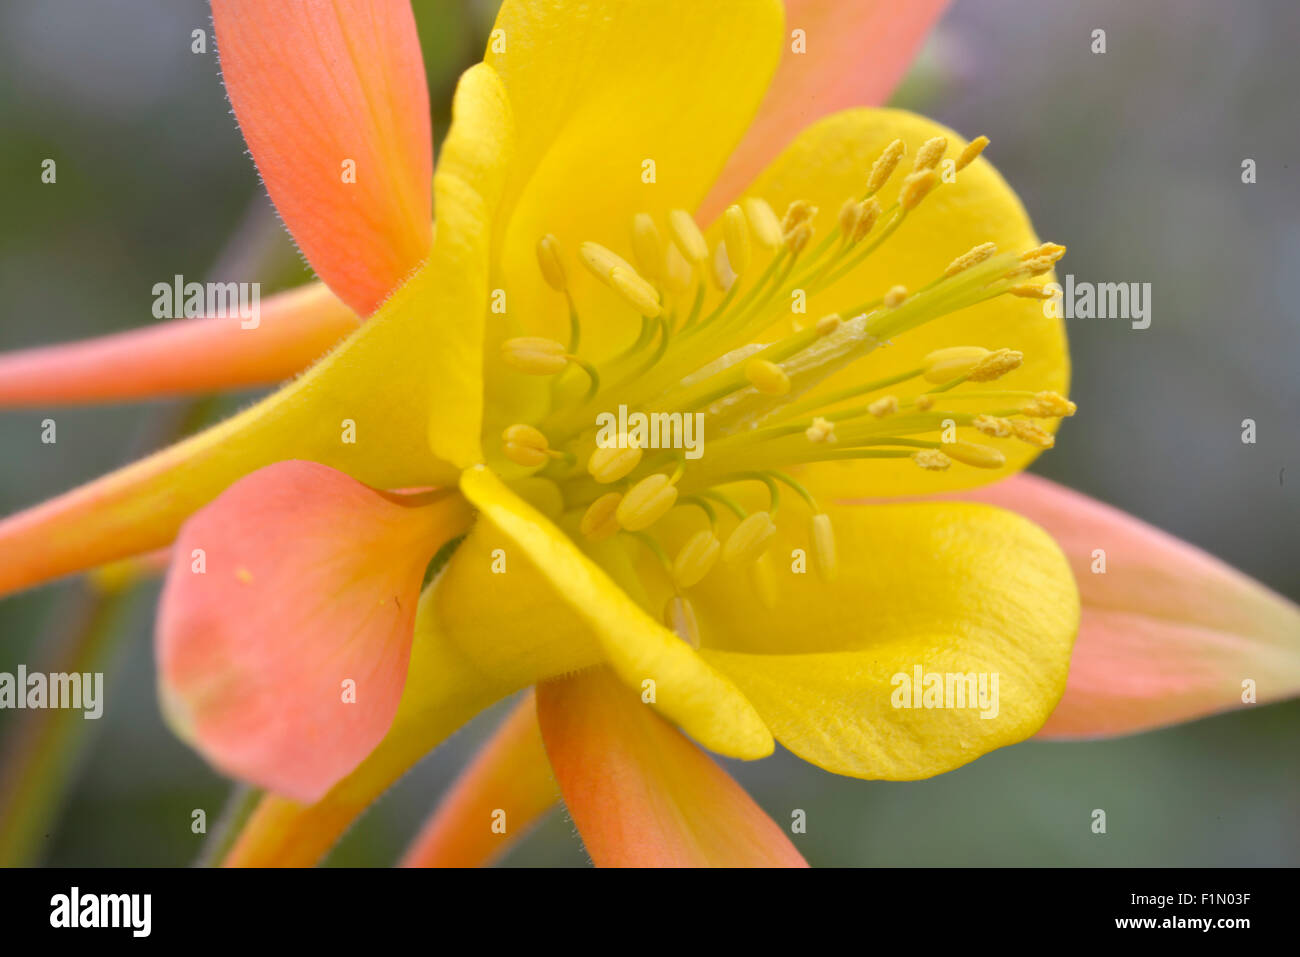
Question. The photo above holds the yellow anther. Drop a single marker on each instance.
(1031, 291)
(1028, 432)
(678, 274)
(925, 402)
(869, 213)
(696, 558)
(534, 355)
(749, 540)
(551, 264)
(601, 260)
(767, 377)
(973, 149)
(720, 268)
(943, 365)
(886, 405)
(646, 502)
(823, 541)
(735, 231)
(599, 521)
(931, 151)
(1049, 251)
(797, 238)
(828, 324)
(896, 296)
(996, 364)
(932, 460)
(916, 187)
(972, 257)
(687, 236)
(647, 246)
(821, 430)
(766, 227)
(850, 213)
(679, 616)
(1050, 405)
(612, 464)
(992, 425)
(980, 456)
(796, 214)
(884, 167)
(524, 445)
(636, 292)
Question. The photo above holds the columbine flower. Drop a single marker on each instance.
(861, 319)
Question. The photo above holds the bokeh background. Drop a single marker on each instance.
(1132, 158)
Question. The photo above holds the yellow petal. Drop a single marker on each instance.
(703, 702)
(828, 163)
(595, 104)
(947, 587)
(364, 409)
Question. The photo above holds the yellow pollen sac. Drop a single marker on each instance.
(828, 324)
(1049, 251)
(1031, 291)
(972, 151)
(1032, 434)
(980, 456)
(767, 377)
(735, 231)
(896, 296)
(884, 167)
(612, 464)
(678, 273)
(932, 460)
(687, 236)
(796, 214)
(723, 274)
(850, 213)
(886, 405)
(679, 617)
(869, 213)
(599, 522)
(646, 502)
(972, 257)
(696, 558)
(916, 187)
(749, 540)
(525, 445)
(931, 151)
(552, 266)
(945, 364)
(601, 260)
(996, 364)
(534, 355)
(766, 227)
(797, 238)
(647, 246)
(1050, 405)
(998, 428)
(823, 541)
(821, 430)
(638, 293)
(925, 402)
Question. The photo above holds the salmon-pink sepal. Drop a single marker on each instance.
(285, 625)
(1168, 632)
(333, 103)
(640, 792)
(494, 802)
(846, 54)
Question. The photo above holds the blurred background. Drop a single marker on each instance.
(1131, 158)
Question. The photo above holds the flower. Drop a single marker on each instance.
(297, 648)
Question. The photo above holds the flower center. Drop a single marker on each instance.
(695, 404)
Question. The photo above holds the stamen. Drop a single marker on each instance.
(886, 405)
(525, 445)
(648, 247)
(828, 324)
(972, 257)
(749, 540)
(767, 228)
(868, 214)
(796, 214)
(1050, 405)
(696, 558)
(1032, 434)
(679, 617)
(973, 149)
(996, 364)
(678, 274)
(945, 364)
(916, 187)
(821, 430)
(724, 277)
(611, 464)
(600, 520)
(896, 296)
(735, 230)
(534, 355)
(798, 238)
(1031, 291)
(884, 166)
(638, 293)
(825, 558)
(551, 264)
(980, 456)
(767, 377)
(932, 460)
(993, 425)
(931, 151)
(646, 502)
(687, 236)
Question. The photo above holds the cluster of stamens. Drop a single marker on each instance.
(762, 414)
